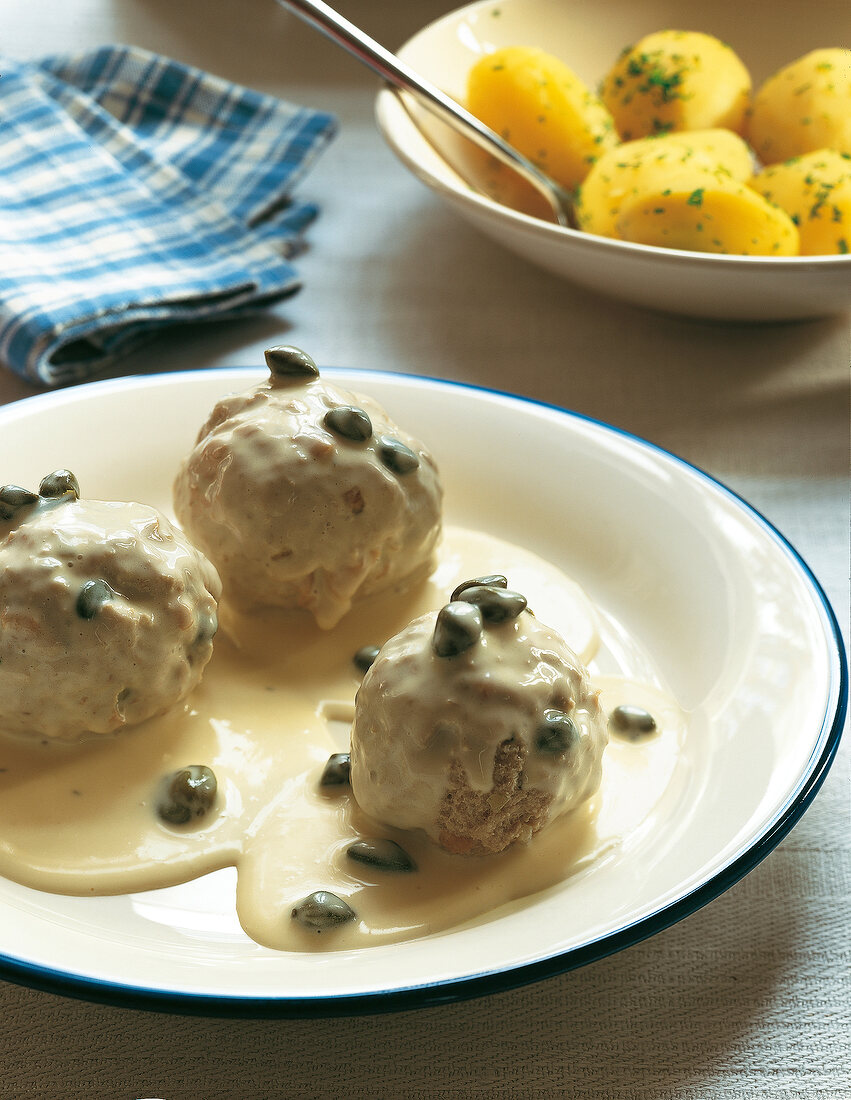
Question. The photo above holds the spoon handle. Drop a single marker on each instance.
(395, 72)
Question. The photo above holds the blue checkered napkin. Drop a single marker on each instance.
(136, 192)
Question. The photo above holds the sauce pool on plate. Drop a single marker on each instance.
(274, 705)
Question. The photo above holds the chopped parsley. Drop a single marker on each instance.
(635, 65)
(696, 197)
(667, 83)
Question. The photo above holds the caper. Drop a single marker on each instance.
(337, 770)
(208, 624)
(322, 910)
(493, 580)
(458, 626)
(59, 484)
(557, 733)
(350, 422)
(632, 722)
(286, 361)
(365, 657)
(396, 456)
(497, 604)
(13, 497)
(187, 794)
(93, 595)
(384, 855)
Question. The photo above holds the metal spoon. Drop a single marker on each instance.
(406, 79)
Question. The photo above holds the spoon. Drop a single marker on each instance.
(401, 76)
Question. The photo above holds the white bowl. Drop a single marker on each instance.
(731, 619)
(765, 33)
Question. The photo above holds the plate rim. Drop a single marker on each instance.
(450, 990)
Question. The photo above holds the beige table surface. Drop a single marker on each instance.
(750, 997)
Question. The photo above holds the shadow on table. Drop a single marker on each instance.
(650, 1023)
(542, 337)
(658, 1018)
(261, 44)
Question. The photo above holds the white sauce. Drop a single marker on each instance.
(81, 819)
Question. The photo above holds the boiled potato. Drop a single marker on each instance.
(657, 163)
(815, 191)
(677, 80)
(539, 105)
(718, 215)
(804, 107)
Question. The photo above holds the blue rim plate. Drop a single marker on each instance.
(687, 550)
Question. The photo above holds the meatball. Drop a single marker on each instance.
(476, 724)
(107, 613)
(305, 495)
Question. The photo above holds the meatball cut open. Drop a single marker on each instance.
(307, 496)
(476, 724)
(107, 612)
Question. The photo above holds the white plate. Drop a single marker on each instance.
(736, 625)
(767, 34)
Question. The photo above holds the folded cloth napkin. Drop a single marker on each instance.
(137, 192)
